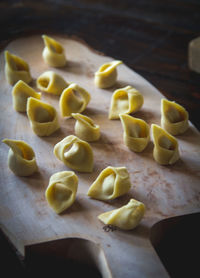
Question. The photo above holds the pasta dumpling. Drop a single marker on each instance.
(20, 93)
(75, 153)
(125, 100)
(165, 146)
(136, 133)
(42, 116)
(51, 82)
(16, 69)
(73, 99)
(106, 76)
(110, 184)
(61, 191)
(21, 158)
(85, 128)
(174, 117)
(127, 217)
(53, 53)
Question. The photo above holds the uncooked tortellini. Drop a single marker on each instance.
(126, 217)
(174, 118)
(110, 184)
(165, 146)
(61, 190)
(21, 158)
(16, 69)
(136, 133)
(53, 53)
(125, 100)
(75, 153)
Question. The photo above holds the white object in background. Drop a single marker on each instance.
(194, 55)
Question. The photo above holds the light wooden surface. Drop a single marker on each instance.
(25, 215)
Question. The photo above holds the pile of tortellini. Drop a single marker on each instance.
(74, 150)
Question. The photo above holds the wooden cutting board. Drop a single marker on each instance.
(166, 191)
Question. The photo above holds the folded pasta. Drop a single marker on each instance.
(111, 183)
(51, 82)
(21, 158)
(73, 99)
(42, 116)
(16, 69)
(136, 133)
(61, 191)
(75, 153)
(165, 146)
(125, 100)
(85, 128)
(174, 117)
(20, 93)
(127, 217)
(53, 53)
(106, 75)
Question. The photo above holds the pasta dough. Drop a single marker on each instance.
(20, 93)
(127, 217)
(53, 53)
(21, 158)
(174, 118)
(85, 128)
(51, 82)
(125, 100)
(136, 133)
(73, 99)
(75, 154)
(110, 184)
(16, 69)
(165, 146)
(106, 76)
(61, 191)
(42, 116)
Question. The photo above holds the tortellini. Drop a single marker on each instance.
(53, 53)
(61, 191)
(73, 99)
(165, 146)
(21, 158)
(174, 118)
(85, 128)
(106, 76)
(51, 82)
(20, 93)
(125, 100)
(136, 133)
(42, 116)
(75, 153)
(16, 69)
(110, 184)
(127, 217)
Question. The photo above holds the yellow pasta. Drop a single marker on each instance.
(125, 100)
(51, 82)
(136, 133)
(73, 99)
(20, 93)
(61, 191)
(21, 158)
(53, 53)
(106, 76)
(127, 217)
(111, 183)
(16, 69)
(42, 116)
(174, 117)
(75, 153)
(165, 146)
(85, 128)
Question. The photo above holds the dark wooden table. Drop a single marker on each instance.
(150, 36)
